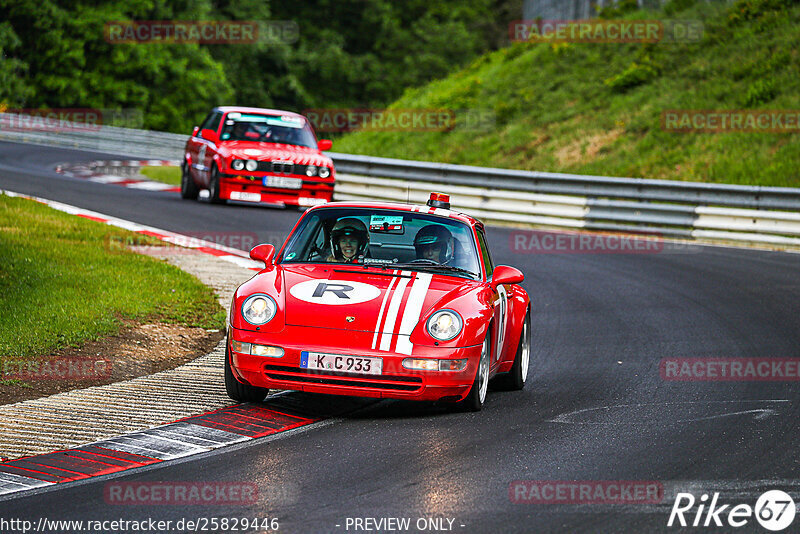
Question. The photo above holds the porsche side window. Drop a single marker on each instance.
(318, 250)
(306, 241)
(487, 258)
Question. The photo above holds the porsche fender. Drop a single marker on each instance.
(475, 309)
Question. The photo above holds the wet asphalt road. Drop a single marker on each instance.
(595, 407)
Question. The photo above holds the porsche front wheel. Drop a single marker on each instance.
(238, 391)
(477, 394)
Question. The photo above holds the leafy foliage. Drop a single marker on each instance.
(597, 109)
(636, 74)
(350, 53)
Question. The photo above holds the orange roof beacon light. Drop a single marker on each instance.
(439, 200)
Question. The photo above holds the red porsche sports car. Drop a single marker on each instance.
(380, 300)
(257, 155)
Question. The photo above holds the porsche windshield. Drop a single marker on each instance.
(285, 129)
(384, 238)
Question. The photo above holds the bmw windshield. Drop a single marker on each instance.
(384, 238)
(285, 129)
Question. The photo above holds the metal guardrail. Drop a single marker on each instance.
(670, 208)
(143, 144)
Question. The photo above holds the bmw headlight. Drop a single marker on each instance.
(259, 309)
(237, 165)
(324, 172)
(251, 165)
(444, 325)
(311, 170)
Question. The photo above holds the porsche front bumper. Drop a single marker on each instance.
(395, 381)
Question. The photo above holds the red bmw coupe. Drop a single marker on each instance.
(257, 155)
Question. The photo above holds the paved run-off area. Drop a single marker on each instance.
(86, 415)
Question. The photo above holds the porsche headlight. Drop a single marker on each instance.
(237, 165)
(324, 172)
(444, 325)
(311, 170)
(259, 309)
(251, 165)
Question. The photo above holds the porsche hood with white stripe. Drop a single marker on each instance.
(388, 303)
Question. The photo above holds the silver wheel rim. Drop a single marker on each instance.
(483, 371)
(525, 355)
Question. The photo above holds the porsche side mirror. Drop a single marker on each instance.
(325, 144)
(503, 274)
(263, 252)
(195, 130)
(209, 135)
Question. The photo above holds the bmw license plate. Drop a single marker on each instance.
(363, 365)
(283, 182)
(245, 197)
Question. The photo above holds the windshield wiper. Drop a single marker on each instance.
(435, 265)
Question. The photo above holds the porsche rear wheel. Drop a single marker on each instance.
(515, 378)
(477, 394)
(213, 186)
(238, 391)
(188, 187)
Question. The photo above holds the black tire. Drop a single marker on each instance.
(477, 394)
(238, 391)
(514, 380)
(213, 186)
(189, 189)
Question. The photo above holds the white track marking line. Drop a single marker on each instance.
(10, 483)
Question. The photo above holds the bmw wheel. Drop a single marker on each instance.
(188, 187)
(213, 186)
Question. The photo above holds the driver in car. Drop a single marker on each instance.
(243, 132)
(435, 243)
(349, 240)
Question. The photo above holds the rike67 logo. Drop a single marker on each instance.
(774, 510)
